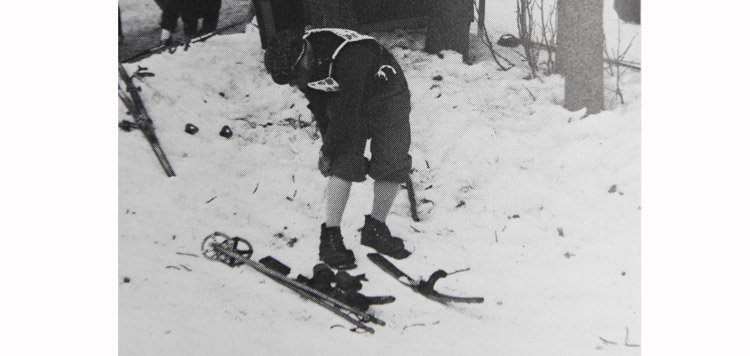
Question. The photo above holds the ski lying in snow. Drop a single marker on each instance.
(137, 110)
(220, 247)
(425, 288)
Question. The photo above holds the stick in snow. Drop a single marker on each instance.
(412, 199)
(627, 334)
(187, 254)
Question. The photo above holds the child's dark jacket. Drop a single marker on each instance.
(346, 117)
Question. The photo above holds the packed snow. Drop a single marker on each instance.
(541, 205)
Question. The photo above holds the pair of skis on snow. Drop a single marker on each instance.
(220, 247)
(133, 102)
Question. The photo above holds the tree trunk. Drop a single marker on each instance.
(580, 49)
(449, 25)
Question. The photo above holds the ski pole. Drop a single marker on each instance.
(282, 279)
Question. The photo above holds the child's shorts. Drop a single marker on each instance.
(390, 134)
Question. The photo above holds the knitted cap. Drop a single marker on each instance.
(281, 54)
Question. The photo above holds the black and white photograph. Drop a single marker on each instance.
(369, 177)
(374, 177)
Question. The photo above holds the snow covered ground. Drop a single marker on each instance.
(541, 205)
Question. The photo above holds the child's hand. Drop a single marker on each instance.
(324, 164)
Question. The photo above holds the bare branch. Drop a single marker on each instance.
(488, 42)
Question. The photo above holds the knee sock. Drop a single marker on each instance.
(337, 194)
(384, 195)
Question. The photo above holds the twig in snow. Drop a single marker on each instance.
(530, 93)
(175, 267)
(415, 229)
(417, 324)
(627, 334)
(337, 326)
(247, 120)
(420, 324)
(188, 254)
(186, 267)
(495, 236)
(607, 341)
(210, 200)
(256, 188)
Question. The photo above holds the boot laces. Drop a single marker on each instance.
(381, 231)
(336, 240)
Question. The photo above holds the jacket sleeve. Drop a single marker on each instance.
(344, 109)
(317, 108)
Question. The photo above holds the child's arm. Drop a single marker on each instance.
(318, 112)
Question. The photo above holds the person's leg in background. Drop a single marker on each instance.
(191, 12)
(169, 15)
(211, 16)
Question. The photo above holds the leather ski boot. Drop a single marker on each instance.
(332, 250)
(375, 234)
